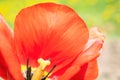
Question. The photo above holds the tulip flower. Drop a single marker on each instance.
(49, 42)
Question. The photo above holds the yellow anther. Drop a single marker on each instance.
(39, 72)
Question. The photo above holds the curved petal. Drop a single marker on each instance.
(5, 30)
(88, 71)
(9, 64)
(90, 53)
(52, 31)
(96, 34)
(93, 47)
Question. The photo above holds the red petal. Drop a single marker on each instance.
(50, 30)
(92, 48)
(2, 69)
(89, 54)
(5, 30)
(72, 70)
(9, 64)
(88, 71)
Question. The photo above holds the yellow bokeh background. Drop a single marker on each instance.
(101, 13)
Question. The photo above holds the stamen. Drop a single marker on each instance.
(38, 74)
(28, 72)
(49, 72)
(27, 63)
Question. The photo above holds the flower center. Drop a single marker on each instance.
(38, 73)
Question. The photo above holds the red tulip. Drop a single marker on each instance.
(49, 31)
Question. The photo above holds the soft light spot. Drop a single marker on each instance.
(1, 78)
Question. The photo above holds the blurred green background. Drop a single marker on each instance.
(104, 14)
(101, 13)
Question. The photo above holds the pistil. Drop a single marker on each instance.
(38, 74)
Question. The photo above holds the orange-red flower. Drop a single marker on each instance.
(50, 31)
